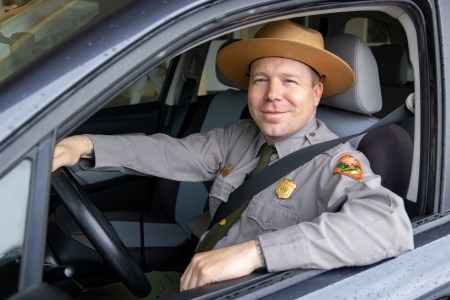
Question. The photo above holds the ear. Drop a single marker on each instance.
(318, 90)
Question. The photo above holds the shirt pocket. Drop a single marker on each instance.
(270, 216)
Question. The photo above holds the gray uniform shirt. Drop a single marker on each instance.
(329, 220)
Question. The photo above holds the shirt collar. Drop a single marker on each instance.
(297, 140)
(314, 132)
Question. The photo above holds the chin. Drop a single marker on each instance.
(273, 135)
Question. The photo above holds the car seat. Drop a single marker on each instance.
(389, 149)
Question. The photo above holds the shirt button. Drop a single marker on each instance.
(312, 134)
(266, 223)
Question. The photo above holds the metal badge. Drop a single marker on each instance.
(285, 188)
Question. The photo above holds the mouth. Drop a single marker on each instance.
(274, 112)
(272, 116)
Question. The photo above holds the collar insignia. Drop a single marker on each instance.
(349, 166)
(226, 170)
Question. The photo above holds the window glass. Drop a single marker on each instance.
(313, 22)
(39, 26)
(371, 31)
(209, 82)
(14, 193)
(146, 89)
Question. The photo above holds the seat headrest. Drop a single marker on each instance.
(392, 63)
(364, 96)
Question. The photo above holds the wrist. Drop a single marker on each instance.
(260, 254)
(88, 148)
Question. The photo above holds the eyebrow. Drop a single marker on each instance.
(282, 74)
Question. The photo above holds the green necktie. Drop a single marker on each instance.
(264, 159)
(221, 228)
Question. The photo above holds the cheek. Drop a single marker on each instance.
(304, 110)
(253, 101)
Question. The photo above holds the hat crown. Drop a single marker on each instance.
(289, 31)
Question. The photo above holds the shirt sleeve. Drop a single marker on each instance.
(195, 158)
(370, 224)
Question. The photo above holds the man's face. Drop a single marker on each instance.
(282, 96)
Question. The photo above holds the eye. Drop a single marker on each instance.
(257, 80)
(290, 81)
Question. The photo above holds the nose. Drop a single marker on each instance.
(272, 91)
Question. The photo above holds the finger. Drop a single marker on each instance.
(185, 278)
(62, 157)
(57, 162)
(196, 272)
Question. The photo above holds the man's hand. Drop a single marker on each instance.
(69, 150)
(221, 264)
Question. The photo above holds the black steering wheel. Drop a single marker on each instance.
(99, 232)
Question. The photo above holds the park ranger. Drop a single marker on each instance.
(330, 212)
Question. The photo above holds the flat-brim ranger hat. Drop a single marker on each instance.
(286, 39)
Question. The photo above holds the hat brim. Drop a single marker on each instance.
(234, 60)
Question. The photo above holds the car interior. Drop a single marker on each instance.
(160, 220)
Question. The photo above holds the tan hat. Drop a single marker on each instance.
(288, 40)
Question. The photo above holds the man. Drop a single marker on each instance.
(330, 216)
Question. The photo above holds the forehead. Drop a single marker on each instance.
(278, 64)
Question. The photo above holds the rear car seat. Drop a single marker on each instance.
(395, 77)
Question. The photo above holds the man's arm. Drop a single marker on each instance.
(361, 222)
(69, 151)
(365, 231)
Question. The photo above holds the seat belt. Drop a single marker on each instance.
(291, 162)
(187, 93)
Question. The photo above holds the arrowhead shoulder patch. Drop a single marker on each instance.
(349, 166)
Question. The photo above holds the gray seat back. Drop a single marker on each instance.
(225, 108)
(350, 112)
